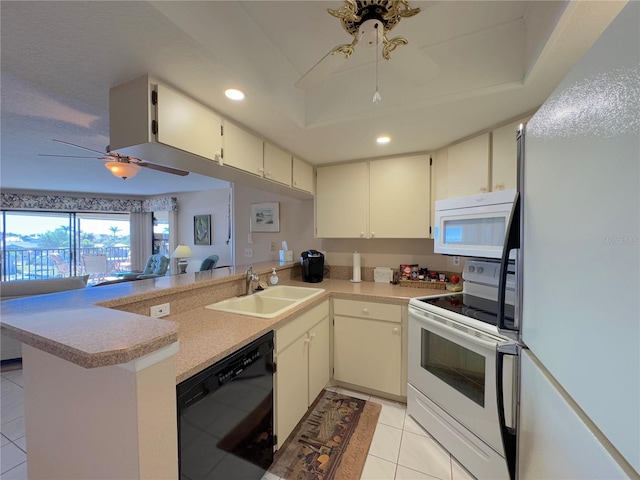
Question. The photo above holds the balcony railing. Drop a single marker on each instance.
(34, 263)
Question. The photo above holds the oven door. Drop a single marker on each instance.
(454, 365)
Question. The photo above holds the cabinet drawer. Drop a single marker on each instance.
(286, 335)
(377, 311)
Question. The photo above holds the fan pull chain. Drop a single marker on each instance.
(377, 98)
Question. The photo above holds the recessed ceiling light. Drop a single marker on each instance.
(234, 94)
(383, 140)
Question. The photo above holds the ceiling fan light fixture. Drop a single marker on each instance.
(234, 94)
(382, 140)
(371, 33)
(123, 170)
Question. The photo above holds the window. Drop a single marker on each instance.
(49, 245)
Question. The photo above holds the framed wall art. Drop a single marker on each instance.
(265, 217)
(202, 230)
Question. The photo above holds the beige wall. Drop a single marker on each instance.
(377, 252)
(296, 226)
(210, 202)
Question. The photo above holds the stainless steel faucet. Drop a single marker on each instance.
(250, 277)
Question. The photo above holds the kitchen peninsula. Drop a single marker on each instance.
(100, 375)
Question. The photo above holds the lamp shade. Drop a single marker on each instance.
(182, 251)
(123, 170)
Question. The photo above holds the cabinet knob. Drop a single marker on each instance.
(362, 234)
(373, 234)
(307, 340)
(396, 330)
(499, 186)
(295, 184)
(483, 189)
(268, 174)
(312, 336)
(365, 311)
(261, 170)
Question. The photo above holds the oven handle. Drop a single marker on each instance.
(508, 434)
(511, 242)
(454, 331)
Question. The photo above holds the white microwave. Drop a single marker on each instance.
(473, 226)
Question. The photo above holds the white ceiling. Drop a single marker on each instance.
(495, 61)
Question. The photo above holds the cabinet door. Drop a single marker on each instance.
(342, 201)
(291, 387)
(302, 174)
(504, 157)
(242, 150)
(318, 358)
(368, 353)
(399, 197)
(277, 165)
(468, 167)
(185, 124)
(439, 183)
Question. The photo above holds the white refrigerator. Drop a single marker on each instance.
(576, 227)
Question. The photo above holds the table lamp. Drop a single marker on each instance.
(182, 252)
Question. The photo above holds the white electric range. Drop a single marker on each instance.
(452, 368)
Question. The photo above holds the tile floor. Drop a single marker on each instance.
(400, 450)
(13, 446)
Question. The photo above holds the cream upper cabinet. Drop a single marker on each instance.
(387, 198)
(302, 175)
(185, 124)
(439, 180)
(241, 149)
(277, 164)
(367, 347)
(468, 167)
(342, 201)
(504, 157)
(302, 367)
(399, 197)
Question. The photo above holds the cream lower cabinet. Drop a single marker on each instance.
(367, 345)
(302, 367)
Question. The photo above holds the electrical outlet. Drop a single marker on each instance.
(456, 261)
(273, 246)
(158, 311)
(248, 252)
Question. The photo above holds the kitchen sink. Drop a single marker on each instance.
(268, 303)
(291, 292)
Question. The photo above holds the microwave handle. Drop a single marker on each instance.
(511, 242)
(508, 434)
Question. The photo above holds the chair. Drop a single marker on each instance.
(209, 263)
(95, 265)
(156, 266)
(61, 264)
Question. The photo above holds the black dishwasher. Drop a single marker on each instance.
(225, 416)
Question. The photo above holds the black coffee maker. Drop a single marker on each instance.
(312, 263)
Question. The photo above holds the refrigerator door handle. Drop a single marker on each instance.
(511, 242)
(508, 434)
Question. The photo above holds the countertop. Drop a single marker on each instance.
(79, 326)
(207, 336)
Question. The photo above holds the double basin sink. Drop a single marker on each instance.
(267, 303)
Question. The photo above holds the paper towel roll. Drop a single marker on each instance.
(356, 268)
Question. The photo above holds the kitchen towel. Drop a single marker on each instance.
(356, 268)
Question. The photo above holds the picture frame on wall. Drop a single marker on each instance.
(202, 229)
(265, 217)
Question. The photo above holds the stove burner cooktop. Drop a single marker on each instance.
(471, 306)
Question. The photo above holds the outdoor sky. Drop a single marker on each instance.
(27, 225)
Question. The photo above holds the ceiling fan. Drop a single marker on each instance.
(369, 22)
(121, 166)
